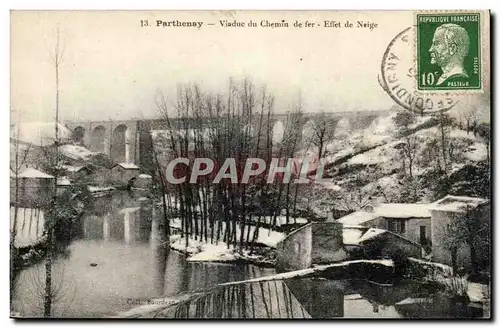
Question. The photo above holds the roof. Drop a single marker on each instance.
(356, 235)
(144, 176)
(71, 168)
(458, 203)
(387, 210)
(127, 166)
(371, 234)
(403, 210)
(356, 218)
(33, 173)
(63, 181)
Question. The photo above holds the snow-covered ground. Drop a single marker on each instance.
(207, 251)
(202, 251)
(476, 152)
(76, 152)
(266, 236)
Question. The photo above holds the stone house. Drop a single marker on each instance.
(124, 172)
(450, 208)
(411, 221)
(367, 242)
(34, 187)
(75, 173)
(142, 181)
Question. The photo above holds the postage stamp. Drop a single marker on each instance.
(448, 51)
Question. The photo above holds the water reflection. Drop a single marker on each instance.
(118, 254)
(118, 258)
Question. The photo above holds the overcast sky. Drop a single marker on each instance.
(113, 68)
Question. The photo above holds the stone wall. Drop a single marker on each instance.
(314, 243)
(294, 252)
(440, 219)
(395, 245)
(327, 243)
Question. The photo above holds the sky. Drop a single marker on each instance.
(114, 69)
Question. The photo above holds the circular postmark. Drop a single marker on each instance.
(398, 78)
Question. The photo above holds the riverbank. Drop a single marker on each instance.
(221, 252)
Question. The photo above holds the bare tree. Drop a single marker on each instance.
(469, 119)
(219, 127)
(403, 121)
(466, 230)
(57, 58)
(323, 132)
(446, 145)
(483, 130)
(31, 298)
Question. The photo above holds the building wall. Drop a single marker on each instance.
(314, 243)
(327, 243)
(294, 252)
(119, 174)
(412, 231)
(440, 219)
(441, 254)
(394, 245)
(412, 227)
(32, 192)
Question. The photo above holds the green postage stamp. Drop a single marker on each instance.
(448, 51)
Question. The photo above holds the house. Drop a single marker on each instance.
(450, 208)
(142, 181)
(75, 173)
(34, 187)
(411, 221)
(365, 242)
(124, 172)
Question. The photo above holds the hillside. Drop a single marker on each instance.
(371, 166)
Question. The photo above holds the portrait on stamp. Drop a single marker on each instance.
(448, 52)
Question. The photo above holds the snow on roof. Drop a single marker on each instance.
(144, 176)
(357, 218)
(71, 168)
(370, 234)
(130, 210)
(351, 236)
(128, 166)
(75, 151)
(97, 188)
(40, 133)
(402, 210)
(356, 235)
(388, 210)
(411, 300)
(458, 203)
(33, 173)
(63, 181)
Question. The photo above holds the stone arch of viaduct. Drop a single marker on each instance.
(127, 140)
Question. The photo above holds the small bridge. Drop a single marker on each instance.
(289, 295)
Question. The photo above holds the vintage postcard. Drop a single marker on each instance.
(250, 164)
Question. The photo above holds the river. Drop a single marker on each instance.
(116, 259)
